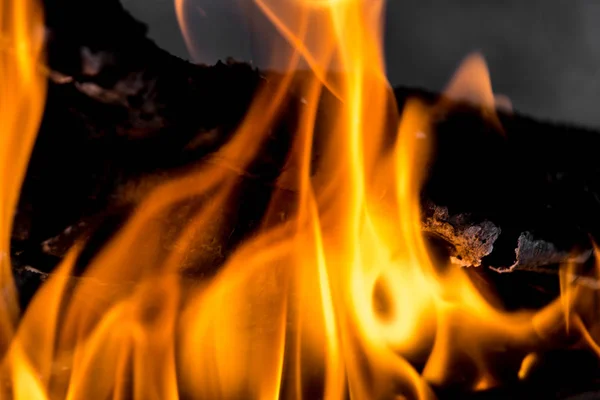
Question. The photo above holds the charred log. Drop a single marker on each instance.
(121, 110)
(118, 107)
(532, 184)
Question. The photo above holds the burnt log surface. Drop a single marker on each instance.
(120, 109)
(536, 182)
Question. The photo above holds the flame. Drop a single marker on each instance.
(341, 299)
(182, 11)
(22, 94)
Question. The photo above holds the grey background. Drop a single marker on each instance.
(544, 55)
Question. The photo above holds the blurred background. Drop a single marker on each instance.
(544, 55)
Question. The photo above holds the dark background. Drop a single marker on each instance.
(544, 55)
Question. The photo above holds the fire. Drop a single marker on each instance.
(340, 299)
(22, 95)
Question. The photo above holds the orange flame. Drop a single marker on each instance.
(339, 300)
(182, 12)
(22, 94)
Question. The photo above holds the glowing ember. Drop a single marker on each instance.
(341, 300)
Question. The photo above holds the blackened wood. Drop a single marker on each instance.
(118, 107)
(538, 182)
(121, 109)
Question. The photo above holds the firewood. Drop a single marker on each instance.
(536, 182)
(120, 109)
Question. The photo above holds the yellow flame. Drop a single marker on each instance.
(472, 83)
(340, 300)
(527, 365)
(22, 94)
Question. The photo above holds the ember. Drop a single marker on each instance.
(337, 294)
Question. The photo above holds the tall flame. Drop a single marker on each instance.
(22, 93)
(340, 300)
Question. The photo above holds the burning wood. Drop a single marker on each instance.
(312, 205)
(521, 183)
